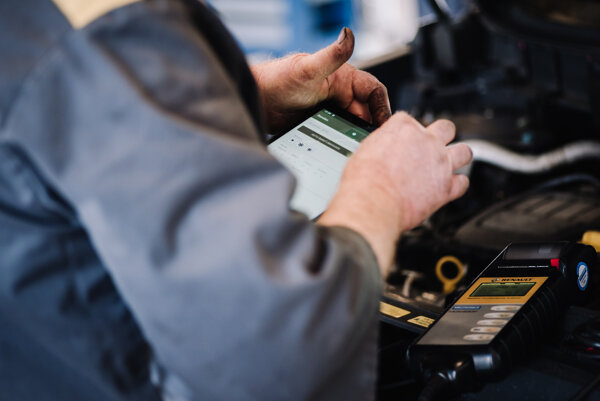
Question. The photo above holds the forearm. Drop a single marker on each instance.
(372, 214)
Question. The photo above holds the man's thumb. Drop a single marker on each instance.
(326, 61)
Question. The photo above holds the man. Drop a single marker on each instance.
(145, 230)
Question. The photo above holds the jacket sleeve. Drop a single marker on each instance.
(135, 122)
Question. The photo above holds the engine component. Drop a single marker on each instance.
(531, 164)
(449, 279)
(592, 238)
(549, 216)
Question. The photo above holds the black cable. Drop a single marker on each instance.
(585, 340)
(568, 179)
(448, 376)
(401, 384)
(584, 392)
(588, 334)
(435, 388)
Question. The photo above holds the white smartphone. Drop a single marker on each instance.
(316, 151)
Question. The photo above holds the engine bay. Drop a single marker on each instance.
(522, 84)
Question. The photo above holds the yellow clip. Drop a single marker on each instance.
(592, 238)
(449, 283)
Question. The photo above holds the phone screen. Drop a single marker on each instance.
(316, 152)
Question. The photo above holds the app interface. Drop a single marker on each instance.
(316, 152)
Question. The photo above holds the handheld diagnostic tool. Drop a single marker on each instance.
(501, 316)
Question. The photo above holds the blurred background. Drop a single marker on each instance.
(273, 28)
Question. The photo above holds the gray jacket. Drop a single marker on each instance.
(141, 218)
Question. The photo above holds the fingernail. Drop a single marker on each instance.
(343, 35)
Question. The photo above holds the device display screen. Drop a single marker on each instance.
(316, 152)
(502, 289)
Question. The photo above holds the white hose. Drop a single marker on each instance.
(488, 152)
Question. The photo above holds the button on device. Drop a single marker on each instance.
(498, 315)
(478, 337)
(496, 322)
(506, 308)
(489, 329)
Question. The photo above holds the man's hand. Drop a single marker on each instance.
(292, 84)
(400, 175)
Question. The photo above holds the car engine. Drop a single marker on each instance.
(521, 81)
